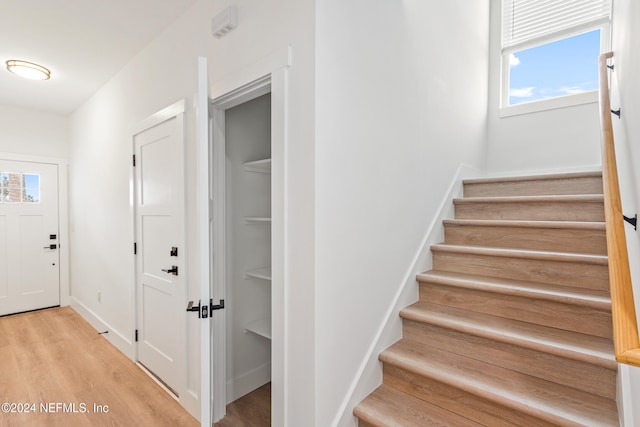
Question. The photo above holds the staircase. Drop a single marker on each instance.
(513, 325)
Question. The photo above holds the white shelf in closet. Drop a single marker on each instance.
(261, 166)
(257, 220)
(259, 273)
(260, 327)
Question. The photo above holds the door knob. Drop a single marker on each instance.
(173, 270)
(52, 246)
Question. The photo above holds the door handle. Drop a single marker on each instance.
(203, 310)
(173, 270)
(190, 307)
(219, 306)
(51, 246)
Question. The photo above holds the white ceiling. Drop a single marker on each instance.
(83, 42)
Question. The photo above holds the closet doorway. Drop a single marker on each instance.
(248, 245)
(242, 241)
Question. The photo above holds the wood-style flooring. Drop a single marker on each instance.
(251, 410)
(52, 360)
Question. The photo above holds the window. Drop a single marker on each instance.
(550, 52)
(19, 188)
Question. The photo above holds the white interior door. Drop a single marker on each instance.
(160, 237)
(29, 240)
(211, 320)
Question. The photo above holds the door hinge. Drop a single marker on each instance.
(134, 160)
(136, 335)
(135, 248)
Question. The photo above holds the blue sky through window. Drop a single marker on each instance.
(32, 188)
(563, 67)
(31, 181)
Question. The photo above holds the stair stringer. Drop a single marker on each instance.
(628, 376)
(369, 375)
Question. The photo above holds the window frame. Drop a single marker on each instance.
(556, 102)
(22, 189)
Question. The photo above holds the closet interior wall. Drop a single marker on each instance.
(248, 245)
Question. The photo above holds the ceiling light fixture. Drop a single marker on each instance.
(28, 70)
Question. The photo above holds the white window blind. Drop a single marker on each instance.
(527, 20)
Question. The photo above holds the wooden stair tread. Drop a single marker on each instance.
(572, 345)
(595, 198)
(577, 225)
(388, 406)
(522, 253)
(577, 183)
(581, 207)
(539, 398)
(542, 177)
(578, 234)
(513, 325)
(577, 296)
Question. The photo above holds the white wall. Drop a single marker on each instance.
(33, 133)
(626, 95)
(401, 103)
(556, 140)
(162, 73)
(101, 170)
(265, 29)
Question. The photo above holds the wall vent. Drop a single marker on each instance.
(224, 22)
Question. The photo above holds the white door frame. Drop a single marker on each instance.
(63, 215)
(269, 76)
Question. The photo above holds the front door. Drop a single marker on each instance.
(160, 259)
(29, 256)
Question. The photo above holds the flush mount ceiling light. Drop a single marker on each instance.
(28, 70)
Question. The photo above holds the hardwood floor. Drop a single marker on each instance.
(52, 360)
(252, 410)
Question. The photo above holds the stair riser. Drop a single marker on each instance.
(541, 239)
(531, 211)
(586, 185)
(581, 275)
(580, 375)
(456, 400)
(575, 318)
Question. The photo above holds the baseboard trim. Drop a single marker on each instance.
(247, 382)
(369, 375)
(121, 342)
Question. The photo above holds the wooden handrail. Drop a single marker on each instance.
(625, 326)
